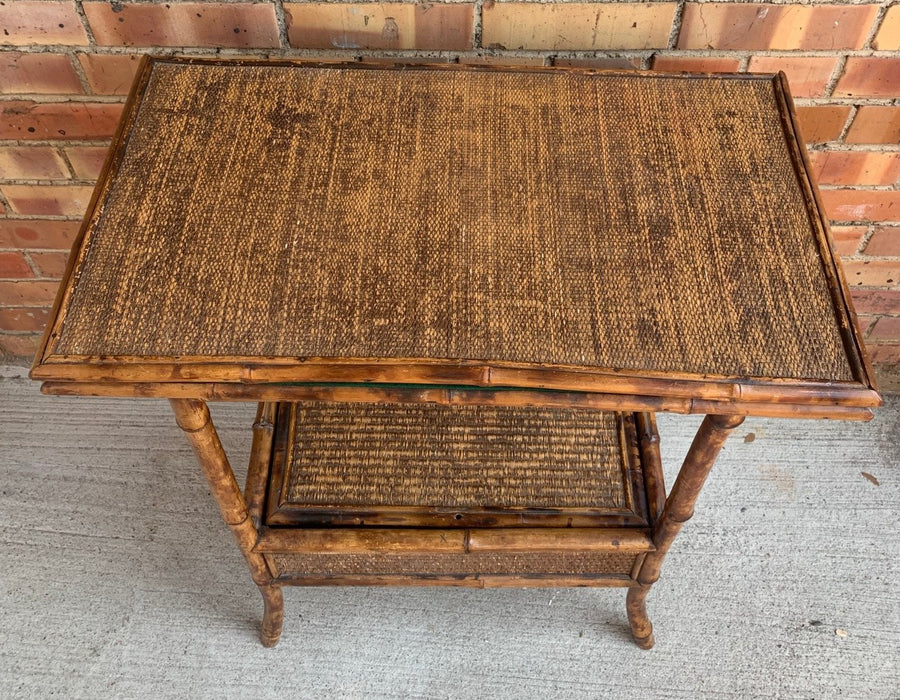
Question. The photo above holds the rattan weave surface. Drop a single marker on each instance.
(425, 455)
(620, 221)
(502, 563)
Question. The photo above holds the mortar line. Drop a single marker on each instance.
(281, 21)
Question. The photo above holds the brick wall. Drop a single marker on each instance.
(65, 68)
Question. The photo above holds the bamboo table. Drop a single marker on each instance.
(459, 296)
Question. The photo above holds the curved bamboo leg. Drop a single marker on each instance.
(193, 418)
(679, 508)
(636, 605)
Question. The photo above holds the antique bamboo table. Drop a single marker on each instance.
(459, 296)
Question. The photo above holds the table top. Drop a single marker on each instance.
(622, 233)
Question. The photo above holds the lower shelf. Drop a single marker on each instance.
(476, 566)
(335, 514)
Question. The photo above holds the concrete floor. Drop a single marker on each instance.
(117, 579)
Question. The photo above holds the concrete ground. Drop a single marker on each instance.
(117, 579)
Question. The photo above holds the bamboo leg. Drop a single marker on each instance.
(636, 606)
(193, 418)
(678, 509)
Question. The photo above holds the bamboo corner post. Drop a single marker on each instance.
(193, 417)
(679, 508)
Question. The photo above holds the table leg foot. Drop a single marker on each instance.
(636, 605)
(273, 616)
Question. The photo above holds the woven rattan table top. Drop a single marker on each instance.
(260, 221)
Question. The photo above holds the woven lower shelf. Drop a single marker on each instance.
(462, 466)
(458, 495)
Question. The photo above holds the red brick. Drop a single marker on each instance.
(87, 161)
(43, 73)
(38, 233)
(51, 265)
(20, 119)
(24, 23)
(807, 76)
(875, 124)
(48, 200)
(28, 293)
(885, 242)
(888, 37)
(875, 301)
(24, 318)
(109, 75)
(599, 63)
(13, 265)
(31, 163)
(888, 354)
(577, 25)
(238, 24)
(847, 239)
(400, 25)
(886, 330)
(855, 167)
(501, 60)
(742, 26)
(861, 205)
(20, 345)
(695, 64)
(869, 76)
(872, 273)
(822, 123)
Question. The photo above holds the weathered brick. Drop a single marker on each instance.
(400, 25)
(766, 26)
(875, 124)
(31, 163)
(50, 264)
(808, 76)
(24, 23)
(21, 119)
(28, 292)
(872, 273)
(855, 167)
(37, 233)
(847, 238)
(599, 63)
(861, 205)
(886, 329)
(695, 64)
(574, 26)
(20, 345)
(869, 76)
(13, 265)
(109, 75)
(48, 200)
(501, 60)
(885, 242)
(822, 123)
(38, 73)
(238, 24)
(87, 161)
(875, 301)
(24, 318)
(887, 354)
(888, 37)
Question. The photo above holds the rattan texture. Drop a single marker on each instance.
(426, 455)
(640, 222)
(499, 563)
